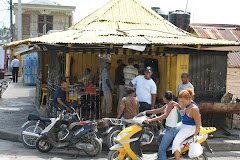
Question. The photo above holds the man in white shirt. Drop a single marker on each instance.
(185, 84)
(15, 64)
(146, 90)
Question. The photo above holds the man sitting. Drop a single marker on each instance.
(89, 98)
(130, 105)
(61, 98)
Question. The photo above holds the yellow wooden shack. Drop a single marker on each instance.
(119, 30)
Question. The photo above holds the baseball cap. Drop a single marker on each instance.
(106, 64)
(148, 69)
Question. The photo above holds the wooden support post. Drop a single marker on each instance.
(168, 71)
(68, 61)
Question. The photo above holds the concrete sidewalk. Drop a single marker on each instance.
(18, 102)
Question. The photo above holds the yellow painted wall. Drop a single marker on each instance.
(19, 57)
(170, 66)
(182, 66)
(45, 62)
(82, 61)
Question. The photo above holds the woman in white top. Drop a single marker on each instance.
(171, 116)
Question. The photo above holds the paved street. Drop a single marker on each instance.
(16, 151)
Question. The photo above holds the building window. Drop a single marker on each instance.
(69, 21)
(26, 18)
(45, 23)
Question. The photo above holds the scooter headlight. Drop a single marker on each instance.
(122, 135)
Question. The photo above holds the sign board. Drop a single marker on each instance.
(2, 57)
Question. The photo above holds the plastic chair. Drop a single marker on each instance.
(72, 99)
(44, 85)
(44, 90)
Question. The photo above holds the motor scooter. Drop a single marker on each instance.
(32, 128)
(65, 133)
(131, 139)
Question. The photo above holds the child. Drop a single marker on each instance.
(130, 105)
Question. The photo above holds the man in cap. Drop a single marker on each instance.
(146, 90)
(107, 87)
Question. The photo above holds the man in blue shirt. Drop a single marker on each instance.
(107, 87)
(61, 98)
(15, 64)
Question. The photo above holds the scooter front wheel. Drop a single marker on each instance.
(202, 157)
(29, 141)
(97, 147)
(113, 155)
(112, 136)
(43, 145)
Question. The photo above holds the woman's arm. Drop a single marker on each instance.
(197, 119)
(156, 111)
(164, 116)
(176, 104)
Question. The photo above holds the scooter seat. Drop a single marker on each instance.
(35, 117)
(78, 125)
(45, 119)
(82, 123)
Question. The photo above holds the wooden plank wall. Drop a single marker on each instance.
(233, 81)
(208, 74)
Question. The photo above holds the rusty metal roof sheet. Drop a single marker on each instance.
(217, 31)
(122, 22)
(234, 59)
(223, 32)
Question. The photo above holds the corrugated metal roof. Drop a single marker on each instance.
(122, 22)
(223, 32)
(234, 59)
(217, 31)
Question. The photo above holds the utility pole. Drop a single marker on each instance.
(11, 21)
(19, 20)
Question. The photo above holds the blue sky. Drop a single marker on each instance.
(202, 11)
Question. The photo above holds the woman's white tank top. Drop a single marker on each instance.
(171, 120)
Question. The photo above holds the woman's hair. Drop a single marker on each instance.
(168, 95)
(187, 93)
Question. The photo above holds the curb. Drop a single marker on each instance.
(217, 144)
(10, 136)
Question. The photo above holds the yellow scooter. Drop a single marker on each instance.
(132, 138)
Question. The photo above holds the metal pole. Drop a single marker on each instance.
(184, 15)
(11, 21)
(19, 20)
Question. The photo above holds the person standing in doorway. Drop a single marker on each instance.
(107, 87)
(129, 72)
(7, 63)
(119, 82)
(185, 84)
(146, 90)
(15, 64)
